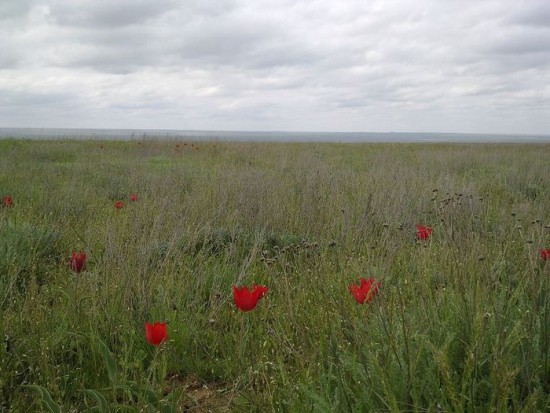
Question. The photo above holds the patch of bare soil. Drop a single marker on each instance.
(201, 397)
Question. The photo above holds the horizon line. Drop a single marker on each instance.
(273, 131)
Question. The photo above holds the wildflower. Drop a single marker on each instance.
(245, 299)
(366, 290)
(545, 254)
(7, 201)
(133, 197)
(77, 261)
(156, 334)
(422, 232)
(119, 204)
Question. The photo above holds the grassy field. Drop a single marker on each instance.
(461, 322)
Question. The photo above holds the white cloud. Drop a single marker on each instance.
(428, 65)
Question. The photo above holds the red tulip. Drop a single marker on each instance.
(119, 204)
(545, 254)
(7, 201)
(245, 299)
(366, 290)
(133, 197)
(423, 232)
(156, 334)
(77, 261)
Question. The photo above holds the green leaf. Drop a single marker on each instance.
(109, 361)
(45, 397)
(100, 399)
(123, 408)
(151, 396)
(167, 409)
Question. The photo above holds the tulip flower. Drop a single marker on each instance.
(366, 290)
(119, 204)
(7, 201)
(545, 254)
(133, 197)
(156, 334)
(246, 299)
(77, 261)
(423, 233)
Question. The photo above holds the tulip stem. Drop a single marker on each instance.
(74, 300)
(153, 368)
(241, 339)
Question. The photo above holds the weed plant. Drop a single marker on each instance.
(461, 322)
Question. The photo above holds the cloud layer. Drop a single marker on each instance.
(427, 65)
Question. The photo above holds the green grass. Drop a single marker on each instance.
(461, 323)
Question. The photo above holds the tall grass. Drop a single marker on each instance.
(461, 322)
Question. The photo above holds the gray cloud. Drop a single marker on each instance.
(536, 14)
(462, 66)
(13, 10)
(105, 14)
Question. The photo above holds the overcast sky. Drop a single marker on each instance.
(316, 65)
